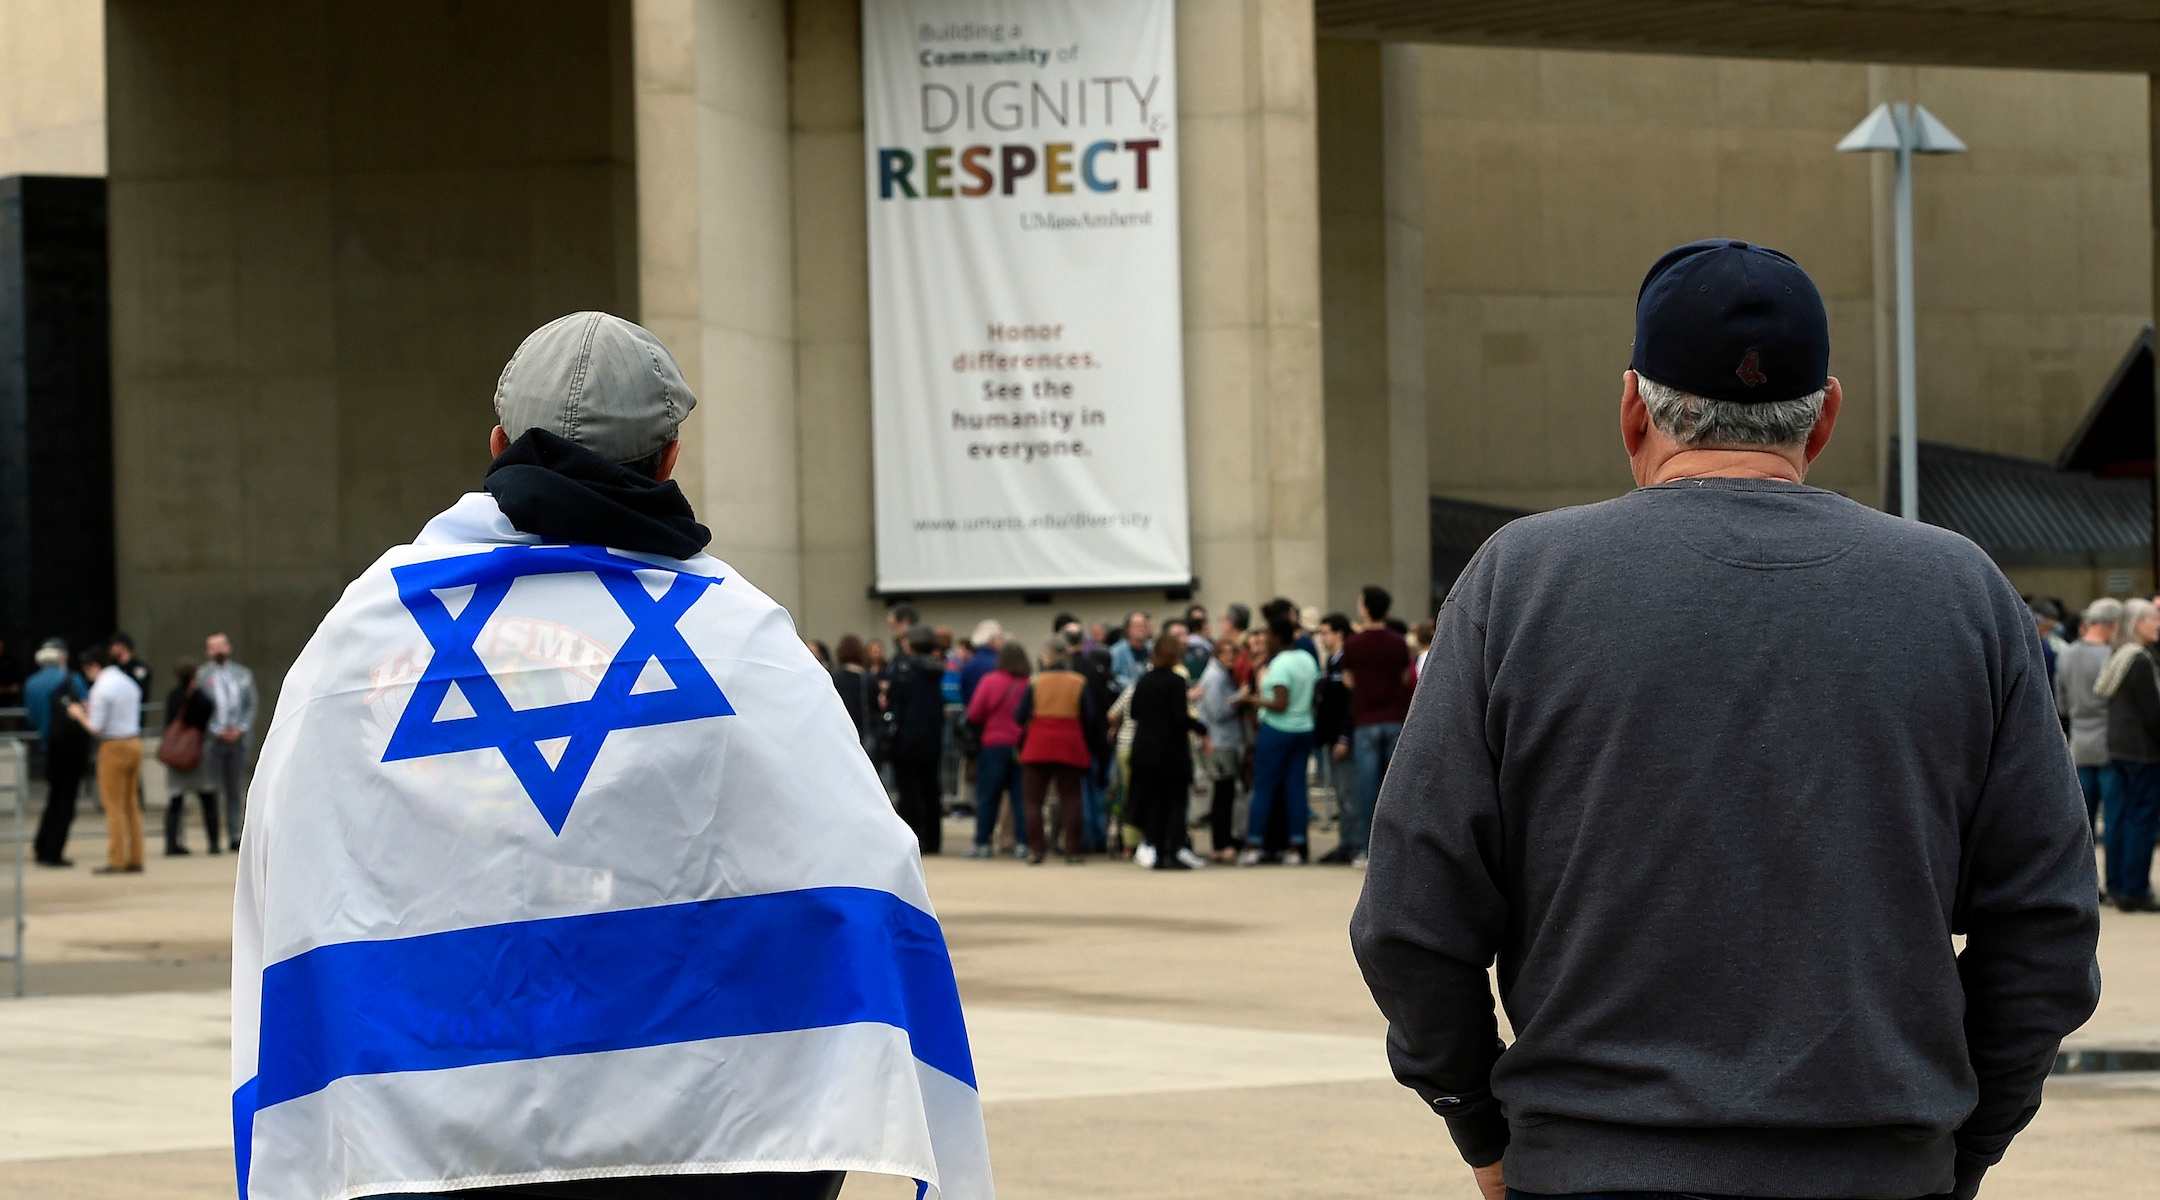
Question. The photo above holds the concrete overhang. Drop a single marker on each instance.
(2065, 35)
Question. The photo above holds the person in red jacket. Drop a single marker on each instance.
(1056, 712)
(993, 710)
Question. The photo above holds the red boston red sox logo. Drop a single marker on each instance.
(1750, 370)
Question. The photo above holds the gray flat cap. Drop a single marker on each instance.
(597, 380)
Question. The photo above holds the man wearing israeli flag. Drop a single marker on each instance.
(565, 873)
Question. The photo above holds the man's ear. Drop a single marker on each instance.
(1819, 437)
(668, 456)
(498, 442)
(1634, 414)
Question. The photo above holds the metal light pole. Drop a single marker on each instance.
(1905, 130)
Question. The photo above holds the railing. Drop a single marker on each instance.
(86, 800)
(15, 722)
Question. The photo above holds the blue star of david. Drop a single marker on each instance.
(586, 723)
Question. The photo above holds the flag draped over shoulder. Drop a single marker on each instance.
(564, 863)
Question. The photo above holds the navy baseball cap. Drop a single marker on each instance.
(1729, 320)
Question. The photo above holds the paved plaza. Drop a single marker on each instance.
(1137, 1035)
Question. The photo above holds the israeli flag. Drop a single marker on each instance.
(564, 863)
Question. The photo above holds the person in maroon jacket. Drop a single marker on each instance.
(1055, 713)
(1376, 669)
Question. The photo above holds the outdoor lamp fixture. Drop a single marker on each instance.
(1906, 130)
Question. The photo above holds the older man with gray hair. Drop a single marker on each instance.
(2084, 711)
(1717, 771)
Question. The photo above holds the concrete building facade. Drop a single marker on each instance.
(1408, 269)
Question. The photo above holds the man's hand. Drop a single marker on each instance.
(1341, 751)
(1489, 1182)
(228, 735)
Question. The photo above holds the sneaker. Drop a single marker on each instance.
(980, 852)
(1339, 856)
(1248, 858)
(1020, 852)
(1144, 857)
(2136, 904)
(1192, 861)
(1360, 859)
(1293, 857)
(175, 851)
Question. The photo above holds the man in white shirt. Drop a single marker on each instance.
(114, 714)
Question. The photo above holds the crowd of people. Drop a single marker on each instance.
(1128, 730)
(87, 712)
(2107, 692)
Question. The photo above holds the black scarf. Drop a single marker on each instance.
(561, 491)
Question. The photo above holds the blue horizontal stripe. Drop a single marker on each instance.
(610, 981)
(807, 959)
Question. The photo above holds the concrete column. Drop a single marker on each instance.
(832, 319)
(716, 272)
(1403, 172)
(664, 83)
(1251, 231)
(1354, 233)
(1373, 297)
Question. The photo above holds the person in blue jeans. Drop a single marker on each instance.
(994, 710)
(2130, 803)
(1282, 749)
(1095, 808)
(2085, 712)
(2130, 791)
(1376, 666)
(1372, 747)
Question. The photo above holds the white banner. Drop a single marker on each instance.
(1026, 337)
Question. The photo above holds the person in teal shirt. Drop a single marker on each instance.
(1283, 746)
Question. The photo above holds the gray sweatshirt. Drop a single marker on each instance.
(2076, 668)
(1715, 770)
(1225, 723)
